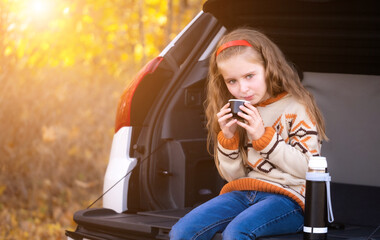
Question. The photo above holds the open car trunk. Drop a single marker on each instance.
(336, 47)
(353, 220)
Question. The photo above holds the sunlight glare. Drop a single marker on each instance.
(66, 10)
(40, 7)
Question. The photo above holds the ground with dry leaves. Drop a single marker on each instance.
(55, 135)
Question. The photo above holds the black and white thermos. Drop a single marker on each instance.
(318, 210)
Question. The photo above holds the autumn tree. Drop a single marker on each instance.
(106, 35)
(63, 66)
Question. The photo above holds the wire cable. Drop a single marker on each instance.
(373, 233)
(129, 172)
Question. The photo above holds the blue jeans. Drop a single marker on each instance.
(240, 215)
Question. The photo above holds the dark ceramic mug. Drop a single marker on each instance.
(235, 107)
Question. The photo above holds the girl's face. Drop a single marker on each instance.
(244, 77)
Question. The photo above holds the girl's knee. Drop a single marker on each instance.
(185, 230)
(194, 231)
(179, 232)
(233, 232)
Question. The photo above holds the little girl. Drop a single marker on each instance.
(263, 157)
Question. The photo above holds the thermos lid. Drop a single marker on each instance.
(318, 163)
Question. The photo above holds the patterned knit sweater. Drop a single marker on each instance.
(278, 161)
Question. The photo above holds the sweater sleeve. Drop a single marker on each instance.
(230, 161)
(292, 154)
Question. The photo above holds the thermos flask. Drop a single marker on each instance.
(318, 208)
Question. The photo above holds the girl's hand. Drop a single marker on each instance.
(253, 121)
(226, 122)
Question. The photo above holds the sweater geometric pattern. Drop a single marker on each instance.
(277, 162)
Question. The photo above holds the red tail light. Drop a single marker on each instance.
(123, 116)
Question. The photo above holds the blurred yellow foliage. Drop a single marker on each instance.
(87, 19)
(63, 67)
(73, 151)
(74, 133)
(62, 33)
(2, 189)
(48, 134)
(7, 51)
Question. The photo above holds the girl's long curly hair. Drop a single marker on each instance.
(280, 76)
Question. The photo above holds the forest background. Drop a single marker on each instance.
(63, 66)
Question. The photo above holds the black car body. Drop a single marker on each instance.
(160, 139)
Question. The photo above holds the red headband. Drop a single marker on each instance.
(233, 43)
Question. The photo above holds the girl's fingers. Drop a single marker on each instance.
(225, 109)
(251, 111)
(254, 132)
(244, 125)
(232, 122)
(245, 116)
(224, 118)
(223, 113)
(226, 105)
